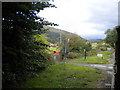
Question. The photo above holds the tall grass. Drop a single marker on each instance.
(65, 76)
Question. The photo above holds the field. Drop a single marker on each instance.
(92, 59)
(65, 76)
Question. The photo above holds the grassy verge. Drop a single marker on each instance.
(65, 76)
(54, 48)
(93, 59)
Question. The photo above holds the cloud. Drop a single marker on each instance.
(88, 18)
(104, 13)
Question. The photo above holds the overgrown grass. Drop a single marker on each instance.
(54, 48)
(92, 59)
(65, 76)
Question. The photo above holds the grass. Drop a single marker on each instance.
(54, 48)
(65, 76)
(92, 59)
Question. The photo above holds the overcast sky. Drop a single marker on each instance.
(87, 18)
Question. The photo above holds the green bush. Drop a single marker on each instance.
(103, 48)
(50, 59)
(73, 55)
(91, 53)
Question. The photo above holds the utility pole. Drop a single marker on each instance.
(85, 53)
(60, 37)
(66, 45)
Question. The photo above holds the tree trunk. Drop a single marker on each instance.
(117, 60)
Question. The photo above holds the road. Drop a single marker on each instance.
(106, 67)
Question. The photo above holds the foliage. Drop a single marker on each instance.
(54, 48)
(65, 76)
(111, 36)
(103, 46)
(99, 46)
(94, 46)
(87, 46)
(75, 44)
(73, 55)
(92, 52)
(22, 52)
(40, 52)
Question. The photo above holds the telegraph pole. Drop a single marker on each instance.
(60, 37)
(85, 53)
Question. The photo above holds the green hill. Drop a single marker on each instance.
(95, 40)
(54, 34)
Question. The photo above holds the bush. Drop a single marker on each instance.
(50, 59)
(73, 55)
(91, 53)
(103, 48)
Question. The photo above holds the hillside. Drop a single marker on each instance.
(95, 40)
(53, 34)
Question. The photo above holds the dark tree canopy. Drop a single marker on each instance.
(19, 49)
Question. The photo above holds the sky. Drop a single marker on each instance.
(87, 18)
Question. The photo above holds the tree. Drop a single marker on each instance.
(71, 42)
(111, 36)
(19, 47)
(74, 44)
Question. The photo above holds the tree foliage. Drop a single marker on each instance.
(22, 52)
(111, 36)
(74, 44)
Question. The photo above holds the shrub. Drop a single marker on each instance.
(91, 53)
(73, 55)
(103, 48)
